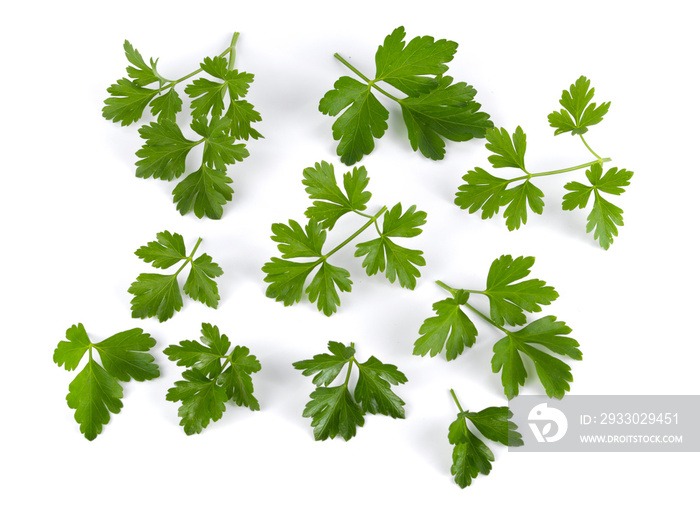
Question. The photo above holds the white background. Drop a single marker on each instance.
(73, 213)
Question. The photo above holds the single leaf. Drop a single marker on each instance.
(127, 101)
(68, 354)
(166, 251)
(205, 191)
(494, 423)
(481, 191)
(324, 287)
(125, 355)
(203, 401)
(333, 412)
(167, 106)
(363, 120)
(507, 152)
(451, 328)
(286, 279)
(373, 390)
(579, 113)
(164, 154)
(518, 199)
(326, 366)
(509, 299)
(200, 284)
(155, 295)
(470, 456)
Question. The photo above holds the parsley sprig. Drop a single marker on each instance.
(158, 295)
(471, 456)
(509, 298)
(95, 393)
(287, 278)
(488, 193)
(217, 374)
(334, 410)
(434, 108)
(220, 116)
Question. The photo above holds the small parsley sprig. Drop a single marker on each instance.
(217, 374)
(509, 297)
(471, 456)
(334, 410)
(220, 116)
(95, 392)
(488, 193)
(158, 295)
(434, 108)
(287, 278)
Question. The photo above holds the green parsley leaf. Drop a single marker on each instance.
(508, 299)
(95, 392)
(604, 217)
(335, 410)
(382, 254)
(216, 376)
(507, 152)
(167, 106)
(219, 148)
(434, 108)
(471, 456)
(287, 279)
(205, 191)
(158, 295)
(579, 113)
(330, 202)
(142, 74)
(127, 101)
(208, 96)
(165, 151)
(363, 120)
(451, 326)
(481, 191)
(554, 374)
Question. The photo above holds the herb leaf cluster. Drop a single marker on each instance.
(216, 375)
(488, 193)
(96, 392)
(220, 116)
(509, 296)
(434, 108)
(335, 410)
(159, 295)
(287, 278)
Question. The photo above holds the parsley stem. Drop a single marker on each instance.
(446, 287)
(454, 396)
(189, 258)
(563, 170)
(364, 227)
(486, 318)
(230, 50)
(588, 147)
(371, 83)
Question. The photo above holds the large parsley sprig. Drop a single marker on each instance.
(95, 392)
(434, 108)
(471, 456)
(334, 410)
(509, 298)
(217, 374)
(158, 295)
(220, 116)
(488, 193)
(287, 278)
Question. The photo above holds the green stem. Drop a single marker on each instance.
(189, 258)
(446, 287)
(352, 360)
(454, 396)
(364, 227)
(371, 83)
(563, 170)
(230, 50)
(589, 147)
(486, 318)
